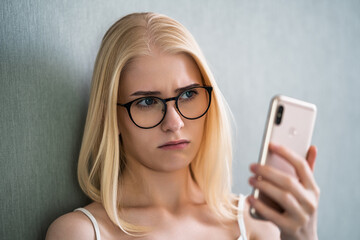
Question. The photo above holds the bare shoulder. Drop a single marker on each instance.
(74, 225)
(259, 229)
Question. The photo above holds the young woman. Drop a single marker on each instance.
(156, 152)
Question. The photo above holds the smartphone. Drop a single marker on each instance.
(290, 123)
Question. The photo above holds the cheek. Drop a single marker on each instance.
(196, 129)
(125, 128)
(125, 124)
(134, 139)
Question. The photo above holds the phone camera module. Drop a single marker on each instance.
(279, 115)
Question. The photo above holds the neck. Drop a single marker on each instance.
(144, 187)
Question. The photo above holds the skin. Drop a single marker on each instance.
(299, 198)
(159, 189)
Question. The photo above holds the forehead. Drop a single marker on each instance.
(159, 72)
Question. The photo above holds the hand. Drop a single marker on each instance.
(298, 197)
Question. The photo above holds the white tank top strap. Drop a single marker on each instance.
(241, 222)
(93, 220)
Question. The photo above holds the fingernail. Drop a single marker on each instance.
(251, 199)
(254, 167)
(252, 180)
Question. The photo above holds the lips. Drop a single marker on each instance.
(175, 144)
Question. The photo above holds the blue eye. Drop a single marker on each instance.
(146, 102)
(187, 95)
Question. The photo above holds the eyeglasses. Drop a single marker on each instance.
(148, 112)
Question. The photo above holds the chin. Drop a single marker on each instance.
(174, 163)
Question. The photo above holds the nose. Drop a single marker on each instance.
(173, 120)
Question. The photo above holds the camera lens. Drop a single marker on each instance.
(279, 114)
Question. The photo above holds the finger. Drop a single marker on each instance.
(284, 198)
(301, 167)
(311, 157)
(286, 183)
(269, 214)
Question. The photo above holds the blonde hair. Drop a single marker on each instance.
(102, 159)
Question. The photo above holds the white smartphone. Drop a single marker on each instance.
(290, 123)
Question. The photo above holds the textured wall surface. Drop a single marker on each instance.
(256, 49)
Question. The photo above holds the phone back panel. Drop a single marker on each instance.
(294, 132)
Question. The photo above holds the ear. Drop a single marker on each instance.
(311, 156)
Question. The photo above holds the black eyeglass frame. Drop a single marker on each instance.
(128, 105)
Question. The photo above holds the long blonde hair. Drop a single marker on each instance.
(102, 159)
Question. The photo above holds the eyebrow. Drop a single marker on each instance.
(152, 93)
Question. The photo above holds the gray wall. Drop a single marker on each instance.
(305, 49)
